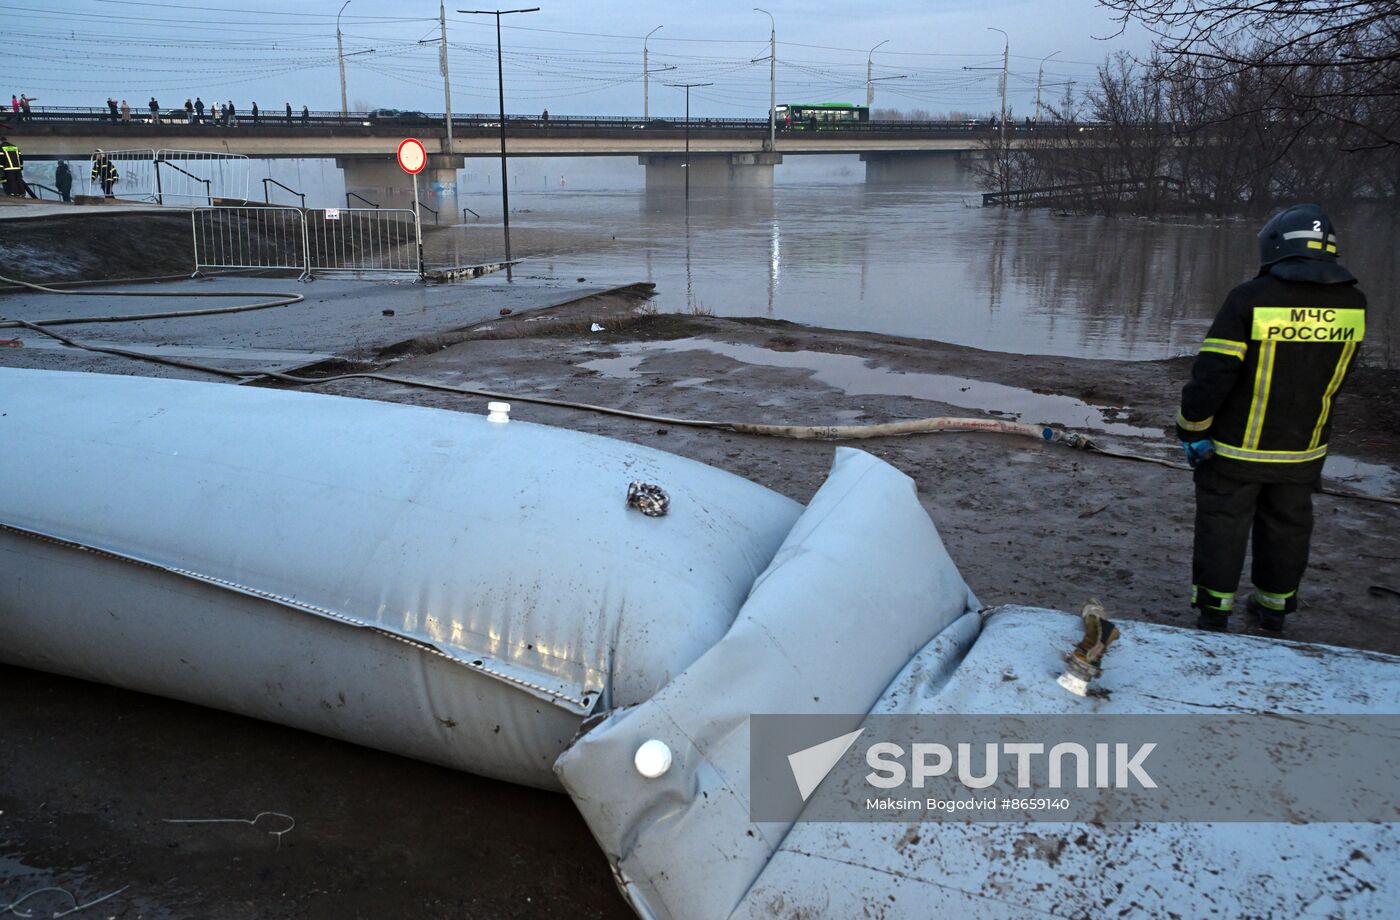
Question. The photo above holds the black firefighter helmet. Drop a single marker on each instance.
(1300, 244)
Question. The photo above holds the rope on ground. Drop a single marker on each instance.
(279, 300)
(804, 432)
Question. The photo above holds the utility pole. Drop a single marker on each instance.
(442, 68)
(501, 89)
(340, 56)
(686, 87)
(1039, 80)
(442, 65)
(1005, 72)
(870, 74)
(646, 75)
(772, 78)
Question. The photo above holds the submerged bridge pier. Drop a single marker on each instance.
(667, 171)
(380, 180)
(910, 168)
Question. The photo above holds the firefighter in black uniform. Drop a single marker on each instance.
(104, 173)
(12, 164)
(1256, 414)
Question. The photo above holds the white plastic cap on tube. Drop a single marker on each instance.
(653, 759)
(498, 412)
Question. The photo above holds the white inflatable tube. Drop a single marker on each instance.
(416, 580)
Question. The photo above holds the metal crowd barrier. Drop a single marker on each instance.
(199, 175)
(350, 241)
(249, 238)
(362, 240)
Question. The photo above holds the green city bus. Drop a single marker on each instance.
(820, 115)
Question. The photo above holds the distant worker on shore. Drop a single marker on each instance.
(12, 163)
(63, 179)
(104, 173)
(1256, 416)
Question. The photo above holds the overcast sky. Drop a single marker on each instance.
(572, 57)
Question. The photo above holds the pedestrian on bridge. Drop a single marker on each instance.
(199, 110)
(14, 103)
(112, 107)
(126, 112)
(230, 115)
(305, 117)
(189, 112)
(1256, 416)
(25, 114)
(289, 114)
(155, 110)
(255, 111)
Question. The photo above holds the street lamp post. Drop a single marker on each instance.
(687, 87)
(869, 75)
(772, 78)
(1005, 65)
(340, 56)
(501, 90)
(1040, 79)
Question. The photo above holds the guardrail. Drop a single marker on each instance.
(317, 242)
(432, 211)
(466, 211)
(268, 200)
(48, 188)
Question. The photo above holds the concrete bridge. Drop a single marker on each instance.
(724, 153)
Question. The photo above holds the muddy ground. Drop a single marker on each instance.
(88, 775)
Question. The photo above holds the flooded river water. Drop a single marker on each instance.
(926, 262)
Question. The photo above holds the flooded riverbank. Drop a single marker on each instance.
(926, 262)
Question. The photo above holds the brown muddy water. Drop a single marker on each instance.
(927, 262)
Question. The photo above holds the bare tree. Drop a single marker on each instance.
(1336, 59)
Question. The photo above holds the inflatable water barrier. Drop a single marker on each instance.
(569, 611)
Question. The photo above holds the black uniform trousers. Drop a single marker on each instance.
(1228, 508)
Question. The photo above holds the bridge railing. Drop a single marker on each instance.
(408, 121)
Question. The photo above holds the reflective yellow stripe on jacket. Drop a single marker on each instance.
(1226, 347)
(1338, 375)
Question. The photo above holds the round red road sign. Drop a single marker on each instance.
(412, 156)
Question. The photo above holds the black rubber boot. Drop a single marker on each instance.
(1269, 620)
(1210, 621)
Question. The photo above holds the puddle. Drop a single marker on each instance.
(1358, 476)
(854, 376)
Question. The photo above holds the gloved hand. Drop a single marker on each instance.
(1197, 452)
